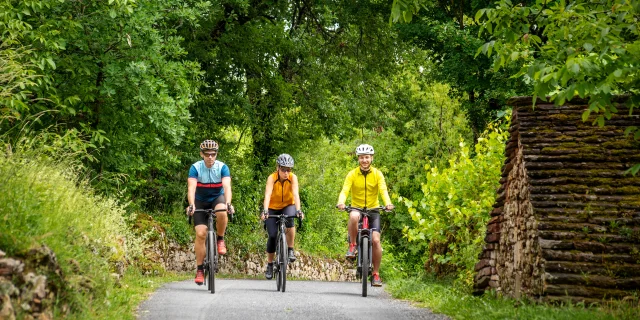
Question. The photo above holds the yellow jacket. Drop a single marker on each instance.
(362, 196)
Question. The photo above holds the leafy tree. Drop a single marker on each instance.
(568, 49)
(112, 70)
(446, 29)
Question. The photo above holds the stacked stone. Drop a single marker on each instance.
(173, 257)
(567, 216)
(23, 291)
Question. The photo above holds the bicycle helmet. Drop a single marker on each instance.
(364, 149)
(285, 160)
(209, 145)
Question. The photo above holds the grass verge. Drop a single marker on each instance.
(133, 289)
(441, 296)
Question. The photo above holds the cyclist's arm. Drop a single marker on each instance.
(296, 194)
(192, 184)
(346, 188)
(226, 186)
(382, 189)
(267, 192)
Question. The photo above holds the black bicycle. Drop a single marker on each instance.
(282, 252)
(210, 262)
(364, 245)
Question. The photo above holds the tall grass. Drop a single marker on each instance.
(443, 296)
(43, 201)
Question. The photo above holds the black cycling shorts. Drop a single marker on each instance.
(374, 221)
(272, 225)
(201, 217)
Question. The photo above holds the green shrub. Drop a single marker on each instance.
(452, 215)
(45, 203)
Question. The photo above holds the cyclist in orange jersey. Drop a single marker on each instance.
(281, 197)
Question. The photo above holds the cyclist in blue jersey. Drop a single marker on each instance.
(208, 187)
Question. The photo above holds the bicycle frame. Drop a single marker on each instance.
(364, 268)
(210, 261)
(282, 258)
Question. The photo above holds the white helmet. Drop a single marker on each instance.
(364, 149)
(285, 160)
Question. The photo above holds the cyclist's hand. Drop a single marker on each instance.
(300, 214)
(230, 208)
(390, 207)
(190, 210)
(341, 206)
(263, 215)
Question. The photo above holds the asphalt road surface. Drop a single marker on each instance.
(258, 299)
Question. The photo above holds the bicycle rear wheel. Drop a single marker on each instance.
(284, 259)
(364, 256)
(211, 252)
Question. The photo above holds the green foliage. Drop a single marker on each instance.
(568, 49)
(444, 296)
(452, 214)
(321, 167)
(449, 36)
(44, 202)
(113, 71)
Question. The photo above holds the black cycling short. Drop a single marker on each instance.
(201, 217)
(272, 225)
(374, 221)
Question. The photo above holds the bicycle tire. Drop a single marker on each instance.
(205, 264)
(212, 249)
(364, 254)
(276, 266)
(284, 259)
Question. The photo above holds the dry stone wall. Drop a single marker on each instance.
(174, 257)
(566, 222)
(26, 289)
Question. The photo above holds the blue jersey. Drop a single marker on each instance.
(209, 179)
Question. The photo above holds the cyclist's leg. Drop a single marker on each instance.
(200, 220)
(290, 212)
(374, 223)
(272, 231)
(221, 217)
(354, 216)
(377, 251)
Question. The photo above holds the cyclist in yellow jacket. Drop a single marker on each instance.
(365, 183)
(281, 197)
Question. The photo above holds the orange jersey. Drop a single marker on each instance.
(282, 194)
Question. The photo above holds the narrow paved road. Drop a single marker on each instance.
(258, 299)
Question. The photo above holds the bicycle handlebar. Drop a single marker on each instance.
(211, 211)
(366, 211)
(297, 216)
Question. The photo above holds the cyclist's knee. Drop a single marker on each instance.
(201, 234)
(375, 239)
(354, 216)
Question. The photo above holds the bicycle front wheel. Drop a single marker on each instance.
(364, 258)
(212, 250)
(284, 259)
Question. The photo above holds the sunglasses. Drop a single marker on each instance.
(285, 169)
(210, 154)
